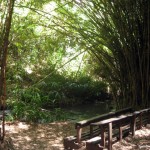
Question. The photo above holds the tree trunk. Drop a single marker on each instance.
(3, 58)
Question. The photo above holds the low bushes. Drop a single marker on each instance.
(52, 94)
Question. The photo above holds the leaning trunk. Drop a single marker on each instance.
(3, 58)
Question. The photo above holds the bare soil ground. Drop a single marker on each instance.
(141, 141)
(38, 136)
(23, 136)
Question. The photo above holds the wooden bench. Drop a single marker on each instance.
(142, 118)
(76, 142)
(128, 123)
(119, 122)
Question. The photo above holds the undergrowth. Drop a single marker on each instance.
(43, 102)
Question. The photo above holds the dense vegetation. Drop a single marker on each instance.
(63, 53)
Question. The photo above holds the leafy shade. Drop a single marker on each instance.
(117, 34)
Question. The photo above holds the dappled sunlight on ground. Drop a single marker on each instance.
(15, 127)
(50, 136)
(38, 136)
(141, 141)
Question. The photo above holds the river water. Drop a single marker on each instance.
(87, 111)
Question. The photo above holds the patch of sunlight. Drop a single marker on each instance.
(28, 70)
(11, 129)
(27, 138)
(78, 1)
(38, 30)
(50, 7)
(23, 126)
(57, 141)
(42, 135)
(146, 147)
(21, 11)
(18, 1)
(142, 133)
(56, 145)
(75, 63)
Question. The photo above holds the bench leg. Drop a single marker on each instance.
(133, 125)
(102, 136)
(140, 120)
(110, 136)
(120, 132)
(79, 131)
(91, 131)
(148, 116)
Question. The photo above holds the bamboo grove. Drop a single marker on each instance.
(114, 33)
(117, 33)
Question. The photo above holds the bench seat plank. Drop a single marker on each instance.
(109, 123)
(94, 132)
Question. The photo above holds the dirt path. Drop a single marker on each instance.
(141, 141)
(50, 136)
(38, 136)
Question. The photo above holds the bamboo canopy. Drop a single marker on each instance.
(119, 38)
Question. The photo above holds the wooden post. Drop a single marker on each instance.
(148, 116)
(0, 133)
(91, 131)
(120, 132)
(79, 132)
(102, 136)
(133, 124)
(140, 120)
(110, 136)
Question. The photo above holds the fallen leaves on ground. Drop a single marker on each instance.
(141, 141)
(24, 136)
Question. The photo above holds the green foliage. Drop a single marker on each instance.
(116, 34)
(31, 96)
(52, 94)
(31, 112)
(41, 42)
(60, 91)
